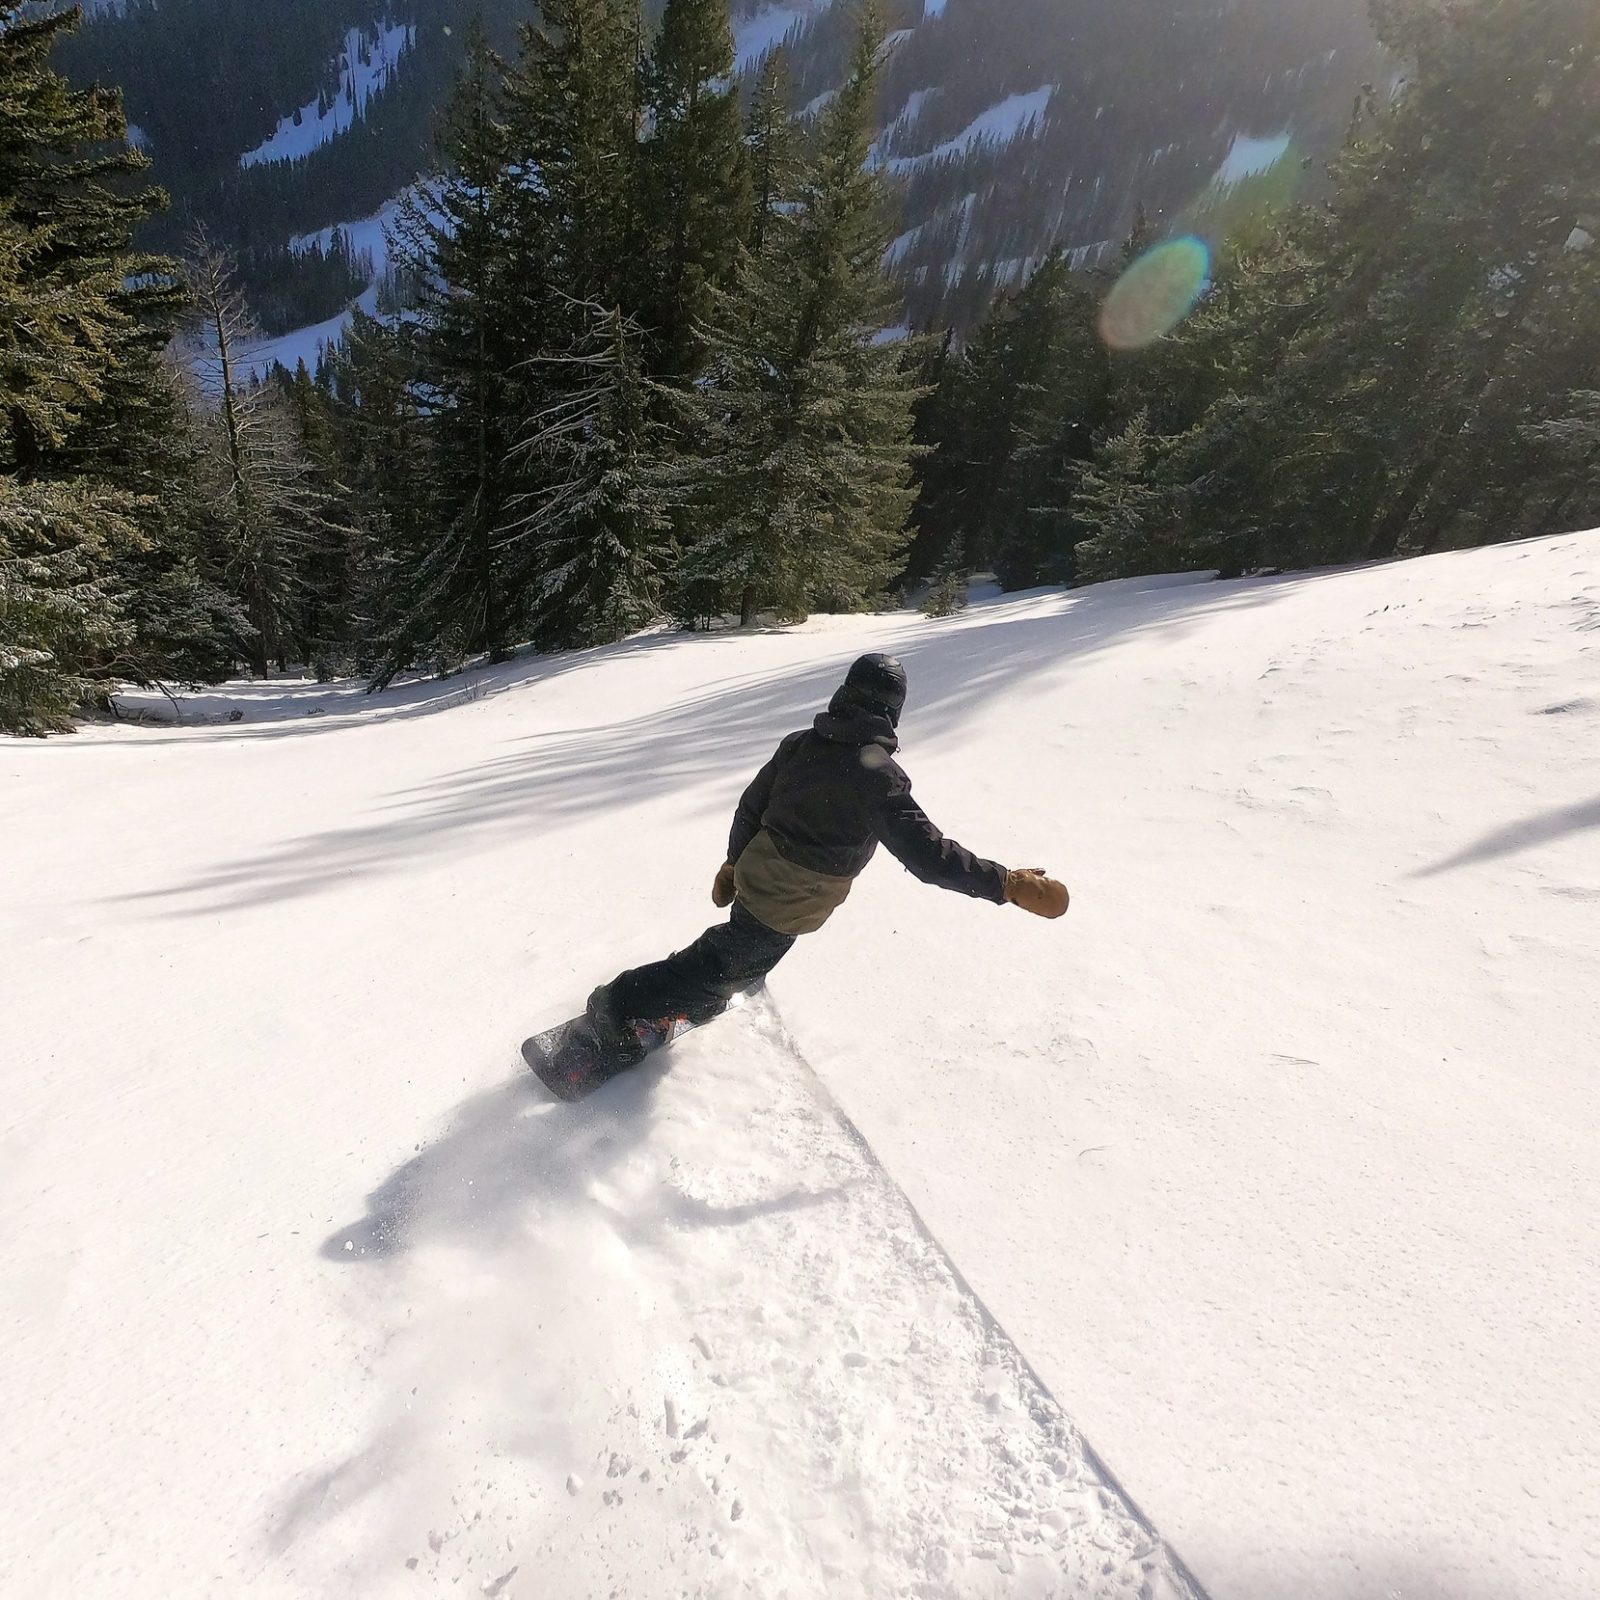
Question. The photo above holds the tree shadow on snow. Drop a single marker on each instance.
(278, 708)
(1528, 834)
(724, 733)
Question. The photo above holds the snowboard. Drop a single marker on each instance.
(572, 1063)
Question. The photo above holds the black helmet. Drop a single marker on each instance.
(879, 684)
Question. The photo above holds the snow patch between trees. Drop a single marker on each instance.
(757, 35)
(1250, 157)
(366, 66)
(1018, 116)
(367, 237)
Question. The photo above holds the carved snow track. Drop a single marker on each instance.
(801, 1395)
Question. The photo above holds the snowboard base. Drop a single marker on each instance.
(572, 1063)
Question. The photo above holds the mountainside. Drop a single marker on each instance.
(1014, 124)
(1274, 1159)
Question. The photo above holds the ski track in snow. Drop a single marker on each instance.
(608, 1341)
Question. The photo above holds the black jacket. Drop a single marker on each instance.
(834, 790)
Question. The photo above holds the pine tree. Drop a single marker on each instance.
(447, 587)
(938, 541)
(695, 189)
(803, 484)
(83, 316)
(1120, 510)
(148, 436)
(1054, 400)
(334, 617)
(1449, 292)
(57, 618)
(771, 159)
(596, 537)
(573, 104)
(1567, 446)
(386, 443)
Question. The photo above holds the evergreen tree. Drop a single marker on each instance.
(448, 585)
(802, 485)
(83, 316)
(573, 105)
(1449, 294)
(1120, 510)
(334, 617)
(57, 616)
(596, 536)
(695, 189)
(1012, 419)
(1056, 400)
(771, 159)
(1568, 447)
(148, 437)
(384, 441)
(937, 538)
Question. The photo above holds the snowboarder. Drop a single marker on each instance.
(805, 828)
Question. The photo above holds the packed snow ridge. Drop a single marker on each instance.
(366, 66)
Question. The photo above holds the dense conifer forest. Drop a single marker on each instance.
(641, 355)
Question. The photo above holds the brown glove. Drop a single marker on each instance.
(1034, 890)
(722, 890)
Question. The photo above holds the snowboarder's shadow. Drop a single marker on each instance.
(507, 1152)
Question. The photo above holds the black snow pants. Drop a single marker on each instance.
(698, 982)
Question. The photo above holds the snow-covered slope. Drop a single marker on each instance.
(1034, 122)
(1275, 1159)
(366, 64)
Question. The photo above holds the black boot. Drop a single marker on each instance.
(616, 1037)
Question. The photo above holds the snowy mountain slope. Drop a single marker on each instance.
(1044, 121)
(366, 63)
(1275, 1159)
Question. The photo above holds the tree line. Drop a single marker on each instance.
(630, 369)
(630, 366)
(1411, 364)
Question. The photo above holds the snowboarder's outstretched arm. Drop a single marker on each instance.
(917, 844)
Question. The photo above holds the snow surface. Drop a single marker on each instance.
(308, 344)
(757, 35)
(1015, 117)
(1249, 158)
(367, 236)
(366, 64)
(1276, 1159)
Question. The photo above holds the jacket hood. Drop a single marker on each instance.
(848, 722)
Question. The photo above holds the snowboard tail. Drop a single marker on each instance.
(572, 1062)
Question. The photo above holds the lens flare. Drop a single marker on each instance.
(1155, 294)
